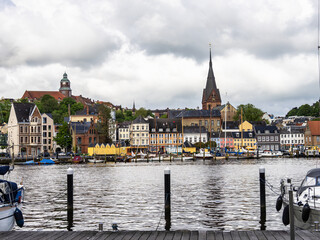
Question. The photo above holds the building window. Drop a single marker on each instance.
(218, 123)
(21, 129)
(44, 120)
(21, 139)
(200, 122)
(44, 127)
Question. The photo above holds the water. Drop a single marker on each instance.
(221, 195)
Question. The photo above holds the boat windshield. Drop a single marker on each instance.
(311, 181)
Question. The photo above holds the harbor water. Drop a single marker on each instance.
(208, 195)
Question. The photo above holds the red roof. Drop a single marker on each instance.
(32, 95)
(314, 127)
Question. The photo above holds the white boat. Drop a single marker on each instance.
(269, 153)
(11, 197)
(204, 154)
(306, 200)
(95, 160)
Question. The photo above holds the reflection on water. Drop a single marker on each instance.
(221, 195)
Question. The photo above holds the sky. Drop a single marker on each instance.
(156, 53)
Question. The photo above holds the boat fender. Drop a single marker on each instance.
(300, 203)
(285, 215)
(279, 203)
(18, 197)
(19, 217)
(305, 212)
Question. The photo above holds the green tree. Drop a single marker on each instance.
(164, 116)
(63, 110)
(22, 100)
(5, 107)
(292, 112)
(128, 115)
(63, 137)
(249, 113)
(104, 125)
(47, 104)
(305, 110)
(120, 116)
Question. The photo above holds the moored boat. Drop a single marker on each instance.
(11, 197)
(306, 200)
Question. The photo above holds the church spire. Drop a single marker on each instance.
(211, 95)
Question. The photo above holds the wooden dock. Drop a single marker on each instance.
(158, 235)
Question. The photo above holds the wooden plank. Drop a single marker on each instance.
(268, 235)
(194, 235)
(227, 236)
(235, 235)
(161, 235)
(112, 235)
(260, 235)
(120, 235)
(11, 235)
(129, 235)
(53, 235)
(153, 235)
(286, 235)
(218, 235)
(100, 235)
(210, 235)
(87, 235)
(252, 235)
(306, 235)
(177, 235)
(169, 235)
(23, 235)
(243, 235)
(185, 235)
(277, 235)
(202, 235)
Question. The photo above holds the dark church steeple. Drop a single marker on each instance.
(211, 94)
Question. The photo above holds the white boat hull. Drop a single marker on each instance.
(7, 219)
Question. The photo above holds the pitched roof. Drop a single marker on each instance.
(39, 94)
(194, 129)
(262, 129)
(139, 119)
(165, 123)
(23, 111)
(199, 113)
(314, 127)
(80, 127)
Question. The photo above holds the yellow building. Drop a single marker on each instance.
(227, 112)
(165, 134)
(245, 137)
(106, 150)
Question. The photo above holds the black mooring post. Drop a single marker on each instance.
(70, 198)
(263, 214)
(167, 199)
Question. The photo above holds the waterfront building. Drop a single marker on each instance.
(195, 134)
(48, 133)
(84, 134)
(215, 137)
(139, 133)
(211, 94)
(210, 119)
(312, 134)
(244, 139)
(124, 133)
(25, 129)
(87, 114)
(165, 134)
(226, 140)
(268, 137)
(292, 137)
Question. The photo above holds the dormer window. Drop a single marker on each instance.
(250, 134)
(160, 130)
(168, 130)
(153, 130)
(174, 130)
(237, 134)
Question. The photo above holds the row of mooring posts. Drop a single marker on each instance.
(167, 200)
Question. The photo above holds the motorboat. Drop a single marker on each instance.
(270, 153)
(306, 200)
(94, 160)
(203, 154)
(11, 197)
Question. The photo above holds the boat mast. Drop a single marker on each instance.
(241, 130)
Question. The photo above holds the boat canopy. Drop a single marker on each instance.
(312, 179)
(4, 170)
(10, 192)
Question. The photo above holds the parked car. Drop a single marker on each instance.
(62, 154)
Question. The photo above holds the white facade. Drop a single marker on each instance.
(47, 133)
(139, 134)
(195, 137)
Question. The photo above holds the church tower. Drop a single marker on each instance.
(211, 94)
(65, 86)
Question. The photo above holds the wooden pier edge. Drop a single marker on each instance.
(159, 235)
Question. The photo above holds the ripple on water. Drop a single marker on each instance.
(222, 195)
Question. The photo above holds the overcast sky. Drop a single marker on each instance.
(156, 53)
